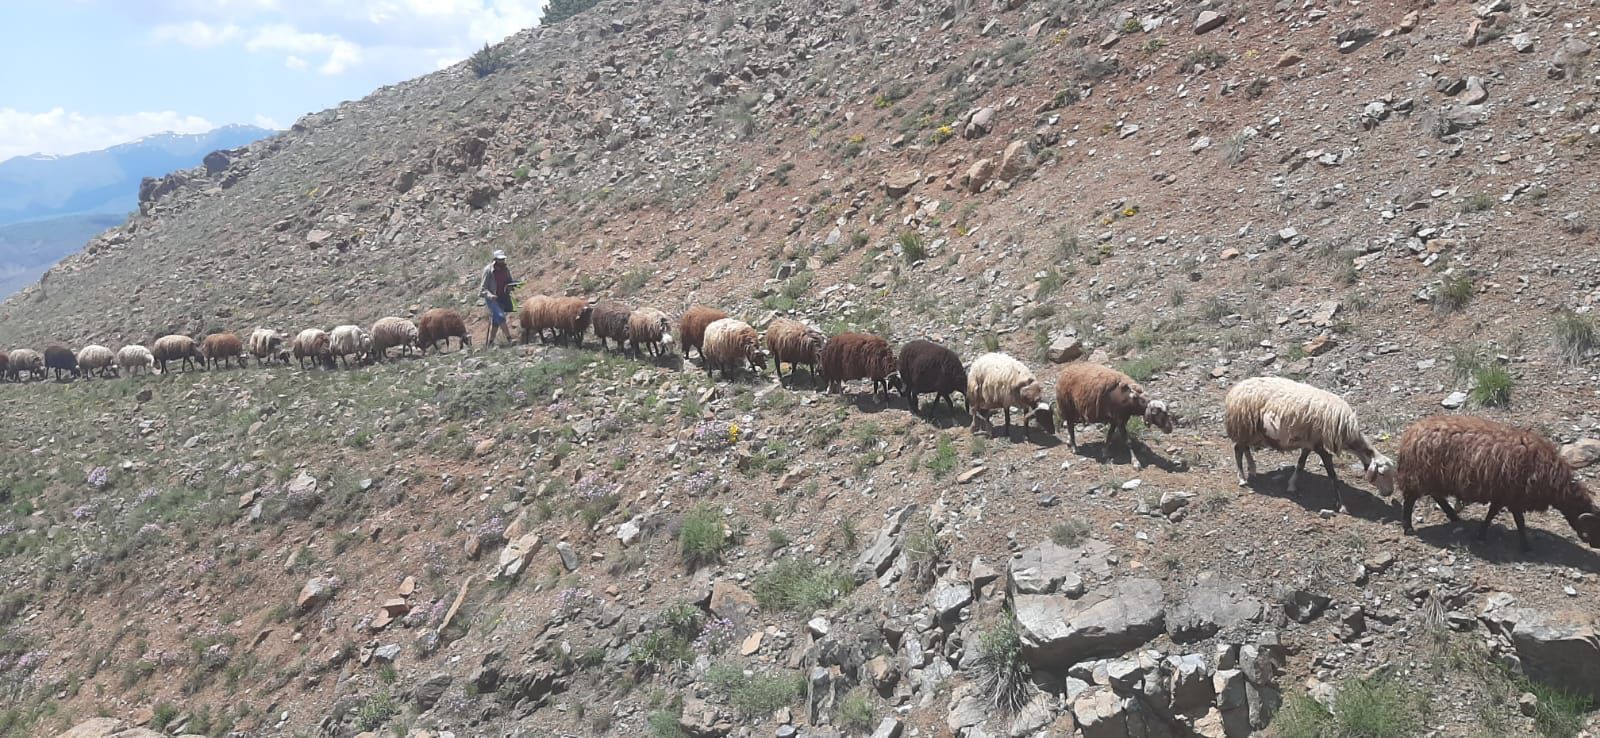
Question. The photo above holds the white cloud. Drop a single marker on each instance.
(59, 132)
(333, 38)
(262, 121)
(198, 34)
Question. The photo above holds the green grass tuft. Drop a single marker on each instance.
(792, 585)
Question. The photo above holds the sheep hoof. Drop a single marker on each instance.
(1243, 482)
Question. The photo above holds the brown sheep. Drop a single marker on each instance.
(650, 327)
(850, 356)
(218, 348)
(1091, 393)
(441, 324)
(926, 366)
(1480, 460)
(610, 321)
(532, 308)
(692, 328)
(175, 347)
(795, 343)
(729, 344)
(570, 316)
(5, 366)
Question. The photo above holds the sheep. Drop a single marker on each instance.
(267, 346)
(5, 366)
(313, 344)
(349, 340)
(610, 321)
(926, 366)
(692, 328)
(1090, 393)
(174, 348)
(61, 359)
(850, 356)
(1480, 460)
(1282, 414)
(795, 343)
(134, 357)
(441, 324)
(390, 332)
(532, 309)
(219, 348)
(26, 362)
(729, 343)
(649, 327)
(96, 360)
(997, 381)
(569, 317)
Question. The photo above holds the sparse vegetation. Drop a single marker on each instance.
(1491, 385)
(488, 60)
(792, 585)
(1477, 203)
(1373, 707)
(1453, 293)
(556, 11)
(944, 458)
(911, 247)
(1000, 670)
(1070, 532)
(703, 535)
(1574, 337)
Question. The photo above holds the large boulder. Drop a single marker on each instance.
(885, 546)
(1561, 649)
(1057, 631)
(1211, 605)
(1047, 568)
(101, 727)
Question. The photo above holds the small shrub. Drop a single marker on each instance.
(1204, 56)
(664, 724)
(1491, 386)
(1477, 203)
(855, 711)
(1378, 707)
(1559, 713)
(1142, 368)
(488, 60)
(755, 696)
(556, 11)
(1000, 670)
(911, 246)
(1453, 294)
(375, 710)
(1574, 337)
(1233, 149)
(1070, 533)
(792, 585)
(702, 536)
(944, 458)
(776, 539)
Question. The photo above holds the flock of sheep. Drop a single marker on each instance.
(1471, 459)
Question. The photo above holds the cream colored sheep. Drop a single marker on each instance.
(96, 360)
(349, 340)
(997, 381)
(390, 332)
(1282, 414)
(133, 358)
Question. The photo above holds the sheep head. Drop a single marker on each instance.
(1029, 391)
(1157, 416)
(1380, 474)
(1041, 412)
(895, 382)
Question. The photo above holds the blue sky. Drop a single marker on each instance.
(79, 75)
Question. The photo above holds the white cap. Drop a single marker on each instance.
(499, 255)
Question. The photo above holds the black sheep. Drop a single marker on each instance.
(926, 366)
(60, 359)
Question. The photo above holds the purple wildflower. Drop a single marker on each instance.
(716, 635)
(85, 511)
(99, 477)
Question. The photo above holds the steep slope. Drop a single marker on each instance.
(1340, 193)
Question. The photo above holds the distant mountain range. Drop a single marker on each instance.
(51, 205)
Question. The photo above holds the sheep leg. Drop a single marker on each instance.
(1406, 509)
(911, 401)
(1483, 530)
(1445, 506)
(1294, 478)
(1239, 452)
(1007, 410)
(1522, 530)
(1327, 463)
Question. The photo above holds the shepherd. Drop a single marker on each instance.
(496, 291)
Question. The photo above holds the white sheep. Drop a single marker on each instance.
(349, 340)
(26, 362)
(1282, 414)
(95, 359)
(730, 344)
(134, 357)
(267, 346)
(997, 381)
(390, 332)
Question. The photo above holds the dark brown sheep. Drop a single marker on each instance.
(610, 321)
(218, 348)
(441, 324)
(1091, 393)
(850, 356)
(60, 359)
(794, 343)
(1480, 460)
(5, 366)
(692, 328)
(926, 366)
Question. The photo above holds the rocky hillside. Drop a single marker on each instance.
(1391, 202)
